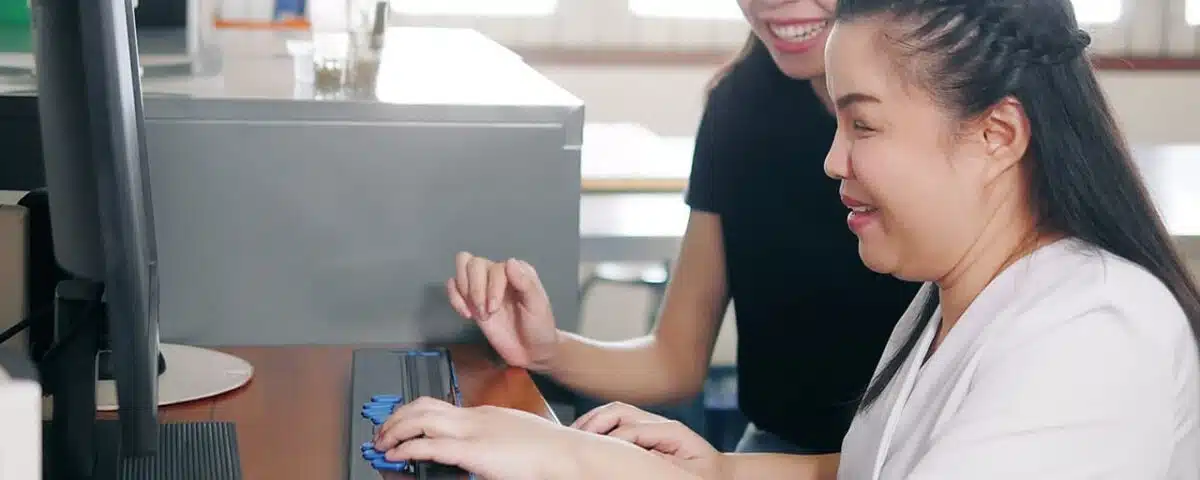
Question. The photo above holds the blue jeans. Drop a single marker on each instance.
(760, 441)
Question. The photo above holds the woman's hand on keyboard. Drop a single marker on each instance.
(504, 444)
(658, 434)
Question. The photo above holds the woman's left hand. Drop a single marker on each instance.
(495, 443)
(669, 438)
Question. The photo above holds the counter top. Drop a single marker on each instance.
(415, 66)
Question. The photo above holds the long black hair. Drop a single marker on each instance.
(1083, 183)
(738, 57)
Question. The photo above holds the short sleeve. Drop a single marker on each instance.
(702, 188)
(1087, 398)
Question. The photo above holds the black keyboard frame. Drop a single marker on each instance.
(410, 373)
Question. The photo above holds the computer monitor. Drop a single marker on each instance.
(89, 99)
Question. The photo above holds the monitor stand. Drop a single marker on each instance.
(77, 446)
(192, 373)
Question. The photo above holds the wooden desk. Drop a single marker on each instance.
(292, 417)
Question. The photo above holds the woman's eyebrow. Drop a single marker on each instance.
(852, 98)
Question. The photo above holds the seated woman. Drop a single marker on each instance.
(1056, 335)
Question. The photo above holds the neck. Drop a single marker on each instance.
(1002, 242)
(818, 86)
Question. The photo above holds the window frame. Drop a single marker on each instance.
(476, 8)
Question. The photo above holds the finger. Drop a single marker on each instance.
(477, 278)
(607, 417)
(592, 414)
(446, 451)
(583, 419)
(415, 407)
(484, 459)
(523, 278)
(603, 419)
(460, 272)
(431, 424)
(660, 436)
(456, 299)
(422, 417)
(497, 283)
(579, 422)
(598, 422)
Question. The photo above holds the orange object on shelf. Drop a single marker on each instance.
(286, 24)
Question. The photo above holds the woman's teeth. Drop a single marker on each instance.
(863, 209)
(798, 32)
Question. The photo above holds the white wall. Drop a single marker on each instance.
(1153, 107)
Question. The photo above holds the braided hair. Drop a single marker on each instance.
(969, 55)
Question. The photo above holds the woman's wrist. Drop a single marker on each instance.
(600, 457)
(569, 465)
(725, 467)
(549, 363)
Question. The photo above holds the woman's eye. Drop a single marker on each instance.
(862, 127)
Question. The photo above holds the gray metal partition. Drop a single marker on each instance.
(287, 222)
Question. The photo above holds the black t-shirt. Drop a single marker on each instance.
(812, 320)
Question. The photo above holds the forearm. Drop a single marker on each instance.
(670, 365)
(638, 371)
(771, 465)
(607, 458)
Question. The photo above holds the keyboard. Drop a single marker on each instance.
(381, 379)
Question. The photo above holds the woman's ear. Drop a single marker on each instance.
(1005, 130)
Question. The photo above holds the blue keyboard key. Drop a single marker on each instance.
(385, 398)
(376, 413)
(368, 446)
(371, 455)
(384, 465)
(389, 406)
(382, 416)
(377, 420)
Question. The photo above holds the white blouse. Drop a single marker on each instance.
(1072, 364)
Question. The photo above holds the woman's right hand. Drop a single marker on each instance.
(510, 305)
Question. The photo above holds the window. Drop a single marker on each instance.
(477, 8)
(1097, 11)
(693, 9)
(1086, 11)
(1192, 12)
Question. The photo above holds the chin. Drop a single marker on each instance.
(876, 260)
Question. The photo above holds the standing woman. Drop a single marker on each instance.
(766, 230)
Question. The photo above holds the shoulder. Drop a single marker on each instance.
(1070, 280)
(1080, 311)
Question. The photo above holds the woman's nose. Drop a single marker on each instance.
(837, 161)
